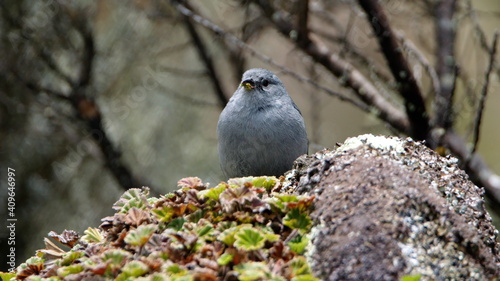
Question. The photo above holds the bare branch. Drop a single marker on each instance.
(478, 170)
(484, 93)
(473, 15)
(302, 22)
(36, 87)
(480, 32)
(180, 71)
(240, 44)
(408, 87)
(348, 48)
(84, 106)
(445, 65)
(415, 52)
(348, 75)
(38, 46)
(207, 61)
(87, 59)
(89, 112)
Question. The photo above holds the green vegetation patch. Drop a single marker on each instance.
(239, 230)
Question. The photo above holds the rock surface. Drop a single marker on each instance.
(389, 207)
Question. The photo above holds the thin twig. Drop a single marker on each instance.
(345, 35)
(484, 93)
(408, 87)
(475, 22)
(181, 72)
(347, 74)
(38, 46)
(479, 31)
(240, 44)
(416, 53)
(207, 61)
(36, 87)
(445, 65)
(348, 48)
(188, 98)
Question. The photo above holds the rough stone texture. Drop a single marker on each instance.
(389, 207)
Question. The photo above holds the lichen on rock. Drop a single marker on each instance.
(386, 211)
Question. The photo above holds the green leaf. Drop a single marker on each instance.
(152, 200)
(227, 236)
(190, 183)
(38, 278)
(196, 216)
(269, 234)
(225, 259)
(205, 230)
(307, 277)
(92, 235)
(164, 214)
(175, 270)
(298, 244)
(135, 268)
(253, 271)
(134, 197)
(238, 182)
(68, 270)
(277, 203)
(213, 193)
(7, 276)
(176, 224)
(249, 239)
(70, 257)
(415, 277)
(31, 261)
(286, 198)
(115, 256)
(154, 277)
(266, 182)
(299, 266)
(141, 235)
(295, 219)
(35, 261)
(224, 225)
(183, 278)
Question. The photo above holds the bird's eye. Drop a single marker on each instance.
(265, 83)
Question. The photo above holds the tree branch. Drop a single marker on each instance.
(348, 48)
(207, 61)
(480, 32)
(475, 167)
(415, 52)
(348, 75)
(302, 22)
(445, 65)
(88, 111)
(484, 93)
(231, 39)
(407, 85)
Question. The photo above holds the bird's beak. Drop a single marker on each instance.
(248, 84)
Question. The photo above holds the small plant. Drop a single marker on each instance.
(243, 229)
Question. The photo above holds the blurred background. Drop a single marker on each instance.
(99, 96)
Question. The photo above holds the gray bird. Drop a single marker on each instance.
(261, 131)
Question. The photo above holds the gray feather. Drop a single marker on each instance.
(260, 131)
